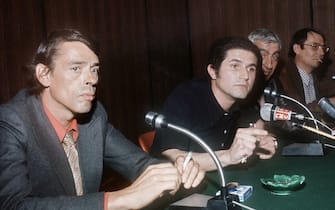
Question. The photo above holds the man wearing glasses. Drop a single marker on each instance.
(300, 80)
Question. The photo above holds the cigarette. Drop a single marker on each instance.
(187, 159)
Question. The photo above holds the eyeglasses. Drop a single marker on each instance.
(316, 46)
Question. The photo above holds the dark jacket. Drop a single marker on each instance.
(293, 86)
(35, 173)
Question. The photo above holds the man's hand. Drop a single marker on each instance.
(244, 144)
(192, 175)
(154, 182)
(267, 145)
(248, 139)
(149, 186)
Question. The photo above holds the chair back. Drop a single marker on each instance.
(145, 140)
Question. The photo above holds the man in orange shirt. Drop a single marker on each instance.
(36, 170)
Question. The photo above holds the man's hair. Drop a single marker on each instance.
(47, 50)
(264, 35)
(218, 51)
(299, 37)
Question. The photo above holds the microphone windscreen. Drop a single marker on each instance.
(150, 118)
(327, 107)
(266, 111)
(155, 120)
(271, 92)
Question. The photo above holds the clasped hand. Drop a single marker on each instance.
(252, 140)
(159, 179)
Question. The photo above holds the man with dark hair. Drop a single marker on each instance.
(302, 79)
(209, 108)
(55, 138)
(307, 52)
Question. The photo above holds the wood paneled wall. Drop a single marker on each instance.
(213, 19)
(20, 31)
(147, 47)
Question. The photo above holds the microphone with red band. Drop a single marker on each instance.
(269, 112)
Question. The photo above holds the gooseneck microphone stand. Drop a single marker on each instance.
(224, 201)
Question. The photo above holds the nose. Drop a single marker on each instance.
(91, 78)
(321, 51)
(244, 73)
(267, 62)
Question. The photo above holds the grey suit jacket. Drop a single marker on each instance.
(34, 172)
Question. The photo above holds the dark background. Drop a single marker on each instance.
(147, 46)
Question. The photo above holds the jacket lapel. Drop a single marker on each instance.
(90, 151)
(48, 142)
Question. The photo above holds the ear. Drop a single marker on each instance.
(42, 74)
(211, 71)
(296, 48)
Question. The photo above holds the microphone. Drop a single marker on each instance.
(224, 201)
(269, 112)
(312, 148)
(155, 120)
(271, 92)
(327, 107)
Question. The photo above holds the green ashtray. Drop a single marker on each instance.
(283, 184)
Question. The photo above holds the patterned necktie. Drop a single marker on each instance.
(310, 93)
(72, 156)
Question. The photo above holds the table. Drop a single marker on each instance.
(318, 192)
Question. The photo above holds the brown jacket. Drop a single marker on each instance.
(293, 87)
